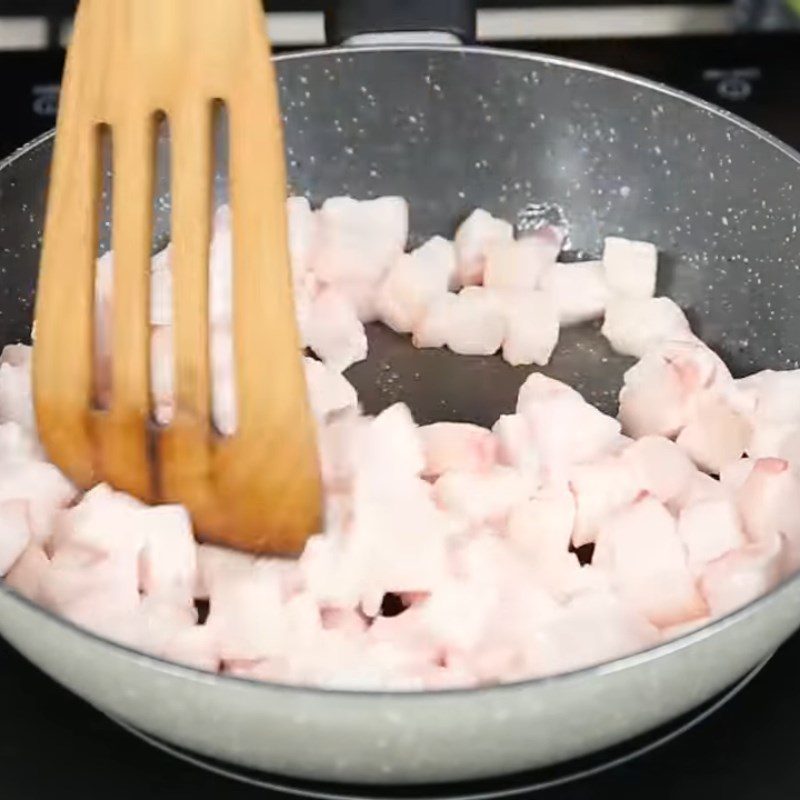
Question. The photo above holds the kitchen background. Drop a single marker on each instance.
(742, 55)
(32, 23)
(706, 47)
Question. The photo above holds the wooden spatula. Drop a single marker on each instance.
(132, 61)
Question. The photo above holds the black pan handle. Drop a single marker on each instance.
(345, 19)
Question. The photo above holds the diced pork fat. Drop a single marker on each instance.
(531, 326)
(630, 266)
(635, 326)
(476, 324)
(414, 282)
(457, 446)
(579, 291)
(640, 548)
(475, 236)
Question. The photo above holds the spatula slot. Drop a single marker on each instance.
(162, 366)
(220, 286)
(104, 269)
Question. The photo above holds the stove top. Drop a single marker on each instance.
(52, 743)
(755, 76)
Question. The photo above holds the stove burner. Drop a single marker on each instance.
(487, 789)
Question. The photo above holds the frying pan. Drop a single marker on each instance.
(452, 128)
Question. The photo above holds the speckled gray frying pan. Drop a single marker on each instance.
(453, 128)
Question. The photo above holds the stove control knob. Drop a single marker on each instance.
(45, 99)
(735, 85)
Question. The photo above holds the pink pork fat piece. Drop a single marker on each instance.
(448, 556)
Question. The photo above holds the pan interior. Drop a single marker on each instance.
(454, 130)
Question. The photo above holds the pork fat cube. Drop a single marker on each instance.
(328, 390)
(634, 326)
(543, 524)
(531, 327)
(196, 647)
(16, 399)
(476, 234)
(214, 562)
(630, 266)
(433, 328)
(18, 445)
(103, 524)
(592, 628)
(769, 504)
(661, 467)
(246, 615)
(516, 448)
(659, 391)
(579, 291)
(26, 575)
(476, 325)
(640, 548)
(709, 529)
(565, 429)
(414, 282)
(43, 486)
(359, 239)
(15, 534)
(457, 446)
(715, 433)
(481, 496)
(169, 557)
(334, 332)
(517, 264)
(600, 488)
(741, 576)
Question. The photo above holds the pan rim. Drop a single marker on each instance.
(603, 668)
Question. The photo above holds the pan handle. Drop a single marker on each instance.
(366, 22)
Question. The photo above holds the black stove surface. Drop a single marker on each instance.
(755, 76)
(53, 744)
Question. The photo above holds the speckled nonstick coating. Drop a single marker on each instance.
(452, 129)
